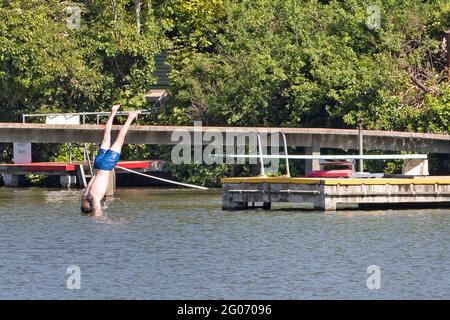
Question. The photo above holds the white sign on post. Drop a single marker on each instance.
(63, 119)
(22, 152)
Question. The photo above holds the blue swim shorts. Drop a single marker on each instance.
(106, 159)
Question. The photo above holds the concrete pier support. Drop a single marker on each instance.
(267, 205)
(228, 203)
(11, 180)
(325, 204)
(67, 181)
(311, 165)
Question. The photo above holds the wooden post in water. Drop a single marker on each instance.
(111, 184)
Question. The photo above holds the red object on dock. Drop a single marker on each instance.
(345, 173)
(65, 167)
(39, 166)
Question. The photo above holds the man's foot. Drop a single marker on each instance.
(133, 114)
(115, 108)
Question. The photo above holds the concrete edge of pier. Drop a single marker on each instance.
(325, 194)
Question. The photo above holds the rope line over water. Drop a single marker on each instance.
(162, 179)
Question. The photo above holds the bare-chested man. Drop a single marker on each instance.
(105, 161)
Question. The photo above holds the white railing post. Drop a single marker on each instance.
(288, 172)
(261, 160)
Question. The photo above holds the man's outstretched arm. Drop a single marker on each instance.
(88, 187)
(97, 207)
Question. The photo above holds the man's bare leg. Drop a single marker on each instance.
(117, 146)
(106, 143)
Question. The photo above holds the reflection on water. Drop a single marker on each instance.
(160, 244)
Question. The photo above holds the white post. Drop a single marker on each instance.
(361, 151)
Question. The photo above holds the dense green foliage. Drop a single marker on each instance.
(312, 63)
(47, 67)
(306, 63)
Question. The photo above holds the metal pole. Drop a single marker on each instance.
(447, 40)
(92, 151)
(70, 152)
(137, 146)
(288, 172)
(361, 151)
(86, 151)
(261, 160)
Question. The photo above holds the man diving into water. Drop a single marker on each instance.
(105, 161)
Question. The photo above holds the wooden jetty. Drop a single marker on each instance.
(326, 193)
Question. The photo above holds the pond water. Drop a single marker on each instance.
(178, 244)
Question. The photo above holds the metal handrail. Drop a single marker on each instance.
(288, 171)
(82, 114)
(261, 156)
(83, 117)
(261, 160)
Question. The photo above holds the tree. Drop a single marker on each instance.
(41, 67)
(316, 63)
(46, 66)
(59, 56)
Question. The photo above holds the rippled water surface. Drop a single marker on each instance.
(170, 244)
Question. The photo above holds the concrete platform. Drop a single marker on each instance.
(326, 193)
(313, 138)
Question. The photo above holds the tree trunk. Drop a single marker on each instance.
(447, 40)
(138, 4)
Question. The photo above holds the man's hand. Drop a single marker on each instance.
(97, 208)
